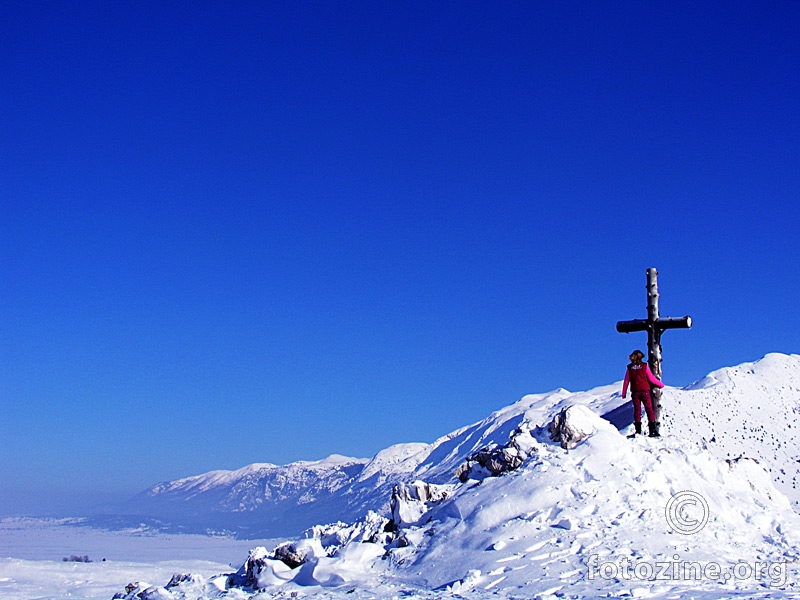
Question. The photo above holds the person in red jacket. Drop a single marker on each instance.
(641, 380)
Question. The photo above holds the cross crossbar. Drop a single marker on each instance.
(662, 324)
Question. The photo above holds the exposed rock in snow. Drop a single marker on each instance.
(248, 574)
(411, 502)
(294, 554)
(179, 578)
(496, 460)
(335, 535)
(180, 584)
(262, 569)
(144, 591)
(573, 425)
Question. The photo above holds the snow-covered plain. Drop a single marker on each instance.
(589, 521)
(32, 553)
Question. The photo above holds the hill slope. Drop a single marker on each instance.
(586, 514)
(751, 410)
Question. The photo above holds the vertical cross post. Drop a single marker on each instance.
(653, 333)
(654, 325)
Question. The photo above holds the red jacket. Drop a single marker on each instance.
(640, 378)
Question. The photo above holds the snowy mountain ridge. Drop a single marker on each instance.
(752, 409)
(197, 484)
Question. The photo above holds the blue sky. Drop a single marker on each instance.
(266, 232)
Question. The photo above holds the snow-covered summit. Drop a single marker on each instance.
(750, 410)
(774, 367)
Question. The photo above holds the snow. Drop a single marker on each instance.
(586, 514)
(54, 539)
(400, 458)
(32, 552)
(751, 409)
(45, 580)
(251, 501)
(189, 487)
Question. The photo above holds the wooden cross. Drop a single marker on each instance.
(654, 325)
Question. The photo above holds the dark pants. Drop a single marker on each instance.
(639, 398)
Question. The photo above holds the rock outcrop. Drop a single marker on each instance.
(411, 501)
(572, 425)
(493, 461)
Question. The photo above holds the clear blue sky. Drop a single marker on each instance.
(266, 232)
